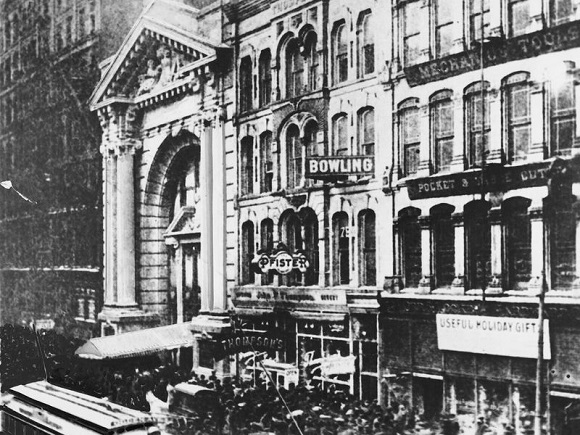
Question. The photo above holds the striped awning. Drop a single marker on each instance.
(137, 343)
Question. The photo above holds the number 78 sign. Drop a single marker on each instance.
(282, 262)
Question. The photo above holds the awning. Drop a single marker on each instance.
(138, 343)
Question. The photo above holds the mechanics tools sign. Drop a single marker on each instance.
(282, 262)
(339, 166)
(506, 336)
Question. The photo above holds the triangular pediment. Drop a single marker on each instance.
(163, 50)
(186, 222)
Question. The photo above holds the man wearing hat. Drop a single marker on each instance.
(481, 425)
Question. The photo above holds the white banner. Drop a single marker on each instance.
(506, 336)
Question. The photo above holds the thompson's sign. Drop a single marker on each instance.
(281, 262)
(250, 341)
(505, 336)
(548, 40)
(496, 178)
(339, 166)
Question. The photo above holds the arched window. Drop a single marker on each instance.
(442, 126)
(366, 46)
(266, 162)
(518, 117)
(265, 74)
(340, 45)
(518, 242)
(311, 241)
(477, 137)
(294, 69)
(312, 60)
(341, 251)
(366, 131)
(247, 163)
(443, 236)
(410, 246)
(478, 239)
(409, 136)
(267, 245)
(246, 84)
(247, 276)
(294, 165)
(291, 236)
(367, 248)
(340, 145)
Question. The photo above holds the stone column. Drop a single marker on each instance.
(424, 168)
(538, 141)
(495, 273)
(538, 249)
(179, 283)
(425, 284)
(459, 281)
(110, 205)
(207, 228)
(219, 214)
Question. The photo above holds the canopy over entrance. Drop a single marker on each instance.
(138, 343)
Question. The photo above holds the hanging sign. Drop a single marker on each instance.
(339, 166)
(281, 262)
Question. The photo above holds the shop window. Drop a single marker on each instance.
(341, 246)
(475, 19)
(267, 245)
(247, 169)
(411, 30)
(312, 60)
(266, 162)
(443, 236)
(247, 276)
(443, 16)
(461, 400)
(517, 230)
(367, 248)
(294, 161)
(518, 120)
(294, 69)
(562, 235)
(562, 11)
(340, 46)
(477, 136)
(311, 242)
(410, 246)
(478, 238)
(366, 131)
(246, 84)
(518, 17)
(563, 115)
(409, 137)
(340, 145)
(366, 46)
(442, 125)
(265, 74)
(291, 236)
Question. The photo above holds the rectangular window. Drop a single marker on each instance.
(477, 137)
(561, 11)
(518, 17)
(265, 78)
(341, 55)
(443, 26)
(410, 138)
(411, 32)
(563, 118)
(247, 172)
(442, 118)
(475, 16)
(518, 121)
(266, 162)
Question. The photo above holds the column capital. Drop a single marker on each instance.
(120, 125)
(424, 222)
(494, 215)
(457, 218)
(536, 213)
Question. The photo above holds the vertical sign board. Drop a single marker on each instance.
(505, 336)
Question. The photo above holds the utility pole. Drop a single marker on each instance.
(540, 361)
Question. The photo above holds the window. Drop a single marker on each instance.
(368, 248)
(561, 11)
(294, 69)
(443, 14)
(517, 101)
(518, 17)
(366, 46)
(477, 137)
(366, 123)
(409, 137)
(247, 170)
(561, 219)
(294, 169)
(311, 139)
(478, 239)
(310, 225)
(312, 59)
(442, 125)
(247, 276)
(340, 54)
(563, 116)
(443, 236)
(475, 16)
(265, 74)
(410, 246)
(411, 29)
(291, 236)
(341, 257)
(267, 245)
(518, 244)
(340, 144)
(246, 84)
(266, 162)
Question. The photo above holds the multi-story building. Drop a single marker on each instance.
(51, 256)
(484, 192)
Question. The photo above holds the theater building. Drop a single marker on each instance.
(484, 192)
